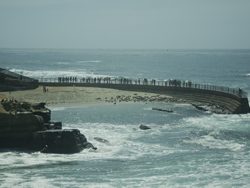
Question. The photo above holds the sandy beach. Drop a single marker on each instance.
(58, 96)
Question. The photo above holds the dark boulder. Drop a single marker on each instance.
(18, 122)
(201, 108)
(65, 141)
(16, 130)
(163, 110)
(28, 126)
(144, 127)
(53, 125)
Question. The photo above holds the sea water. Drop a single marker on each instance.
(186, 148)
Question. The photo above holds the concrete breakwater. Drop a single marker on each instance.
(10, 81)
(219, 99)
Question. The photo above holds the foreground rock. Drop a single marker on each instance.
(28, 126)
(144, 127)
(60, 141)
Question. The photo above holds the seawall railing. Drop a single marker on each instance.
(171, 83)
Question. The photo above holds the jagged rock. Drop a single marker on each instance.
(28, 126)
(144, 127)
(198, 107)
(163, 110)
(18, 124)
(60, 141)
(19, 116)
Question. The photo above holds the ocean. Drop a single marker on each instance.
(187, 148)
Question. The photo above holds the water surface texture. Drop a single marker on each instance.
(186, 148)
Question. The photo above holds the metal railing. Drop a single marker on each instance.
(149, 82)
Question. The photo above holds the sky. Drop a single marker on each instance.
(125, 24)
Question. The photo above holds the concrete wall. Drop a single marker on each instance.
(10, 81)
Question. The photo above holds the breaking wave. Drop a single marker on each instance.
(122, 139)
(210, 141)
(89, 61)
(56, 73)
(228, 132)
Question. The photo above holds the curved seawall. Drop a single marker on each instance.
(230, 100)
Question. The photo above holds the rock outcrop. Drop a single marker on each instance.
(163, 110)
(60, 141)
(10, 81)
(144, 127)
(28, 126)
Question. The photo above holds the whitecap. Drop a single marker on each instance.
(209, 141)
(18, 180)
(219, 131)
(123, 141)
(54, 108)
(218, 121)
(89, 61)
(38, 74)
(62, 63)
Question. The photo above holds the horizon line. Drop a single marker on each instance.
(52, 48)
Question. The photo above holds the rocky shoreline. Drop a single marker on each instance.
(28, 126)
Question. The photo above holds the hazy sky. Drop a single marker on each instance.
(167, 24)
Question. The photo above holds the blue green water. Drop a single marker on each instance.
(187, 148)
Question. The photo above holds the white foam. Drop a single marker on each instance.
(125, 145)
(89, 61)
(122, 139)
(218, 121)
(18, 180)
(55, 108)
(218, 129)
(210, 142)
(62, 63)
(56, 73)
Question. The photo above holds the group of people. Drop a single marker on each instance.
(109, 80)
(145, 81)
(70, 79)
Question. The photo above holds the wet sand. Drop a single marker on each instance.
(83, 95)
